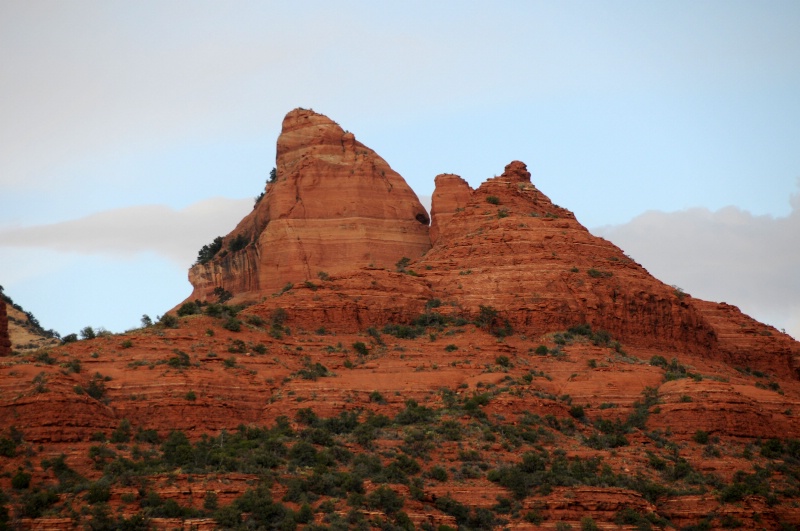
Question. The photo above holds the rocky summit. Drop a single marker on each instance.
(346, 363)
(334, 205)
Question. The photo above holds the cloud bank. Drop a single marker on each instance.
(726, 255)
(125, 232)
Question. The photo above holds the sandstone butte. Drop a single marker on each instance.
(515, 372)
(334, 206)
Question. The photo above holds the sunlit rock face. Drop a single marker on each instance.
(334, 206)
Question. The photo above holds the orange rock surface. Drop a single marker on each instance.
(514, 329)
(450, 195)
(335, 206)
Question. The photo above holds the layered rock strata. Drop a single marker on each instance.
(334, 206)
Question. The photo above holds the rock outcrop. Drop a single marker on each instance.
(334, 206)
(450, 195)
(5, 340)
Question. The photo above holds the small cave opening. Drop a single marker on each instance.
(422, 218)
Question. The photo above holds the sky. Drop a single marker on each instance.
(133, 133)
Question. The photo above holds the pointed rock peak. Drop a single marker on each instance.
(334, 206)
(516, 171)
(451, 195)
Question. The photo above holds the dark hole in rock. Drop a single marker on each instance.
(422, 218)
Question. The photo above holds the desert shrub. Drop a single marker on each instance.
(35, 503)
(180, 360)
(233, 324)
(237, 346)
(254, 320)
(188, 308)
(238, 243)
(360, 348)
(69, 338)
(88, 333)
(577, 412)
(377, 397)
(98, 492)
(402, 264)
(493, 200)
(414, 414)
(96, 388)
(177, 450)
(700, 437)
(21, 480)
(596, 273)
(438, 473)
(403, 331)
(123, 432)
(207, 252)
(313, 371)
(542, 350)
(169, 321)
(222, 295)
(385, 499)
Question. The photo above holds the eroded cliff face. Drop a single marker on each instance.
(335, 206)
(451, 195)
(5, 340)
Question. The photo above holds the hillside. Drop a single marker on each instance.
(25, 333)
(499, 368)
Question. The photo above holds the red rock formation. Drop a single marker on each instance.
(450, 196)
(721, 390)
(335, 206)
(513, 249)
(5, 341)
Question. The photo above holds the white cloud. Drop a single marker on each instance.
(726, 255)
(125, 232)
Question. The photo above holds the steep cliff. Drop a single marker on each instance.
(334, 206)
(450, 195)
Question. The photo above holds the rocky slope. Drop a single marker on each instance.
(515, 372)
(334, 206)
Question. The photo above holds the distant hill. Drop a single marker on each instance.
(25, 331)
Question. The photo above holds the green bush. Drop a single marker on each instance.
(360, 348)
(21, 480)
(207, 252)
(169, 321)
(700, 437)
(188, 308)
(493, 200)
(238, 243)
(385, 499)
(233, 324)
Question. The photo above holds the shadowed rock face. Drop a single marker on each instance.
(335, 206)
(5, 342)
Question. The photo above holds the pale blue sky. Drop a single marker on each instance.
(133, 132)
